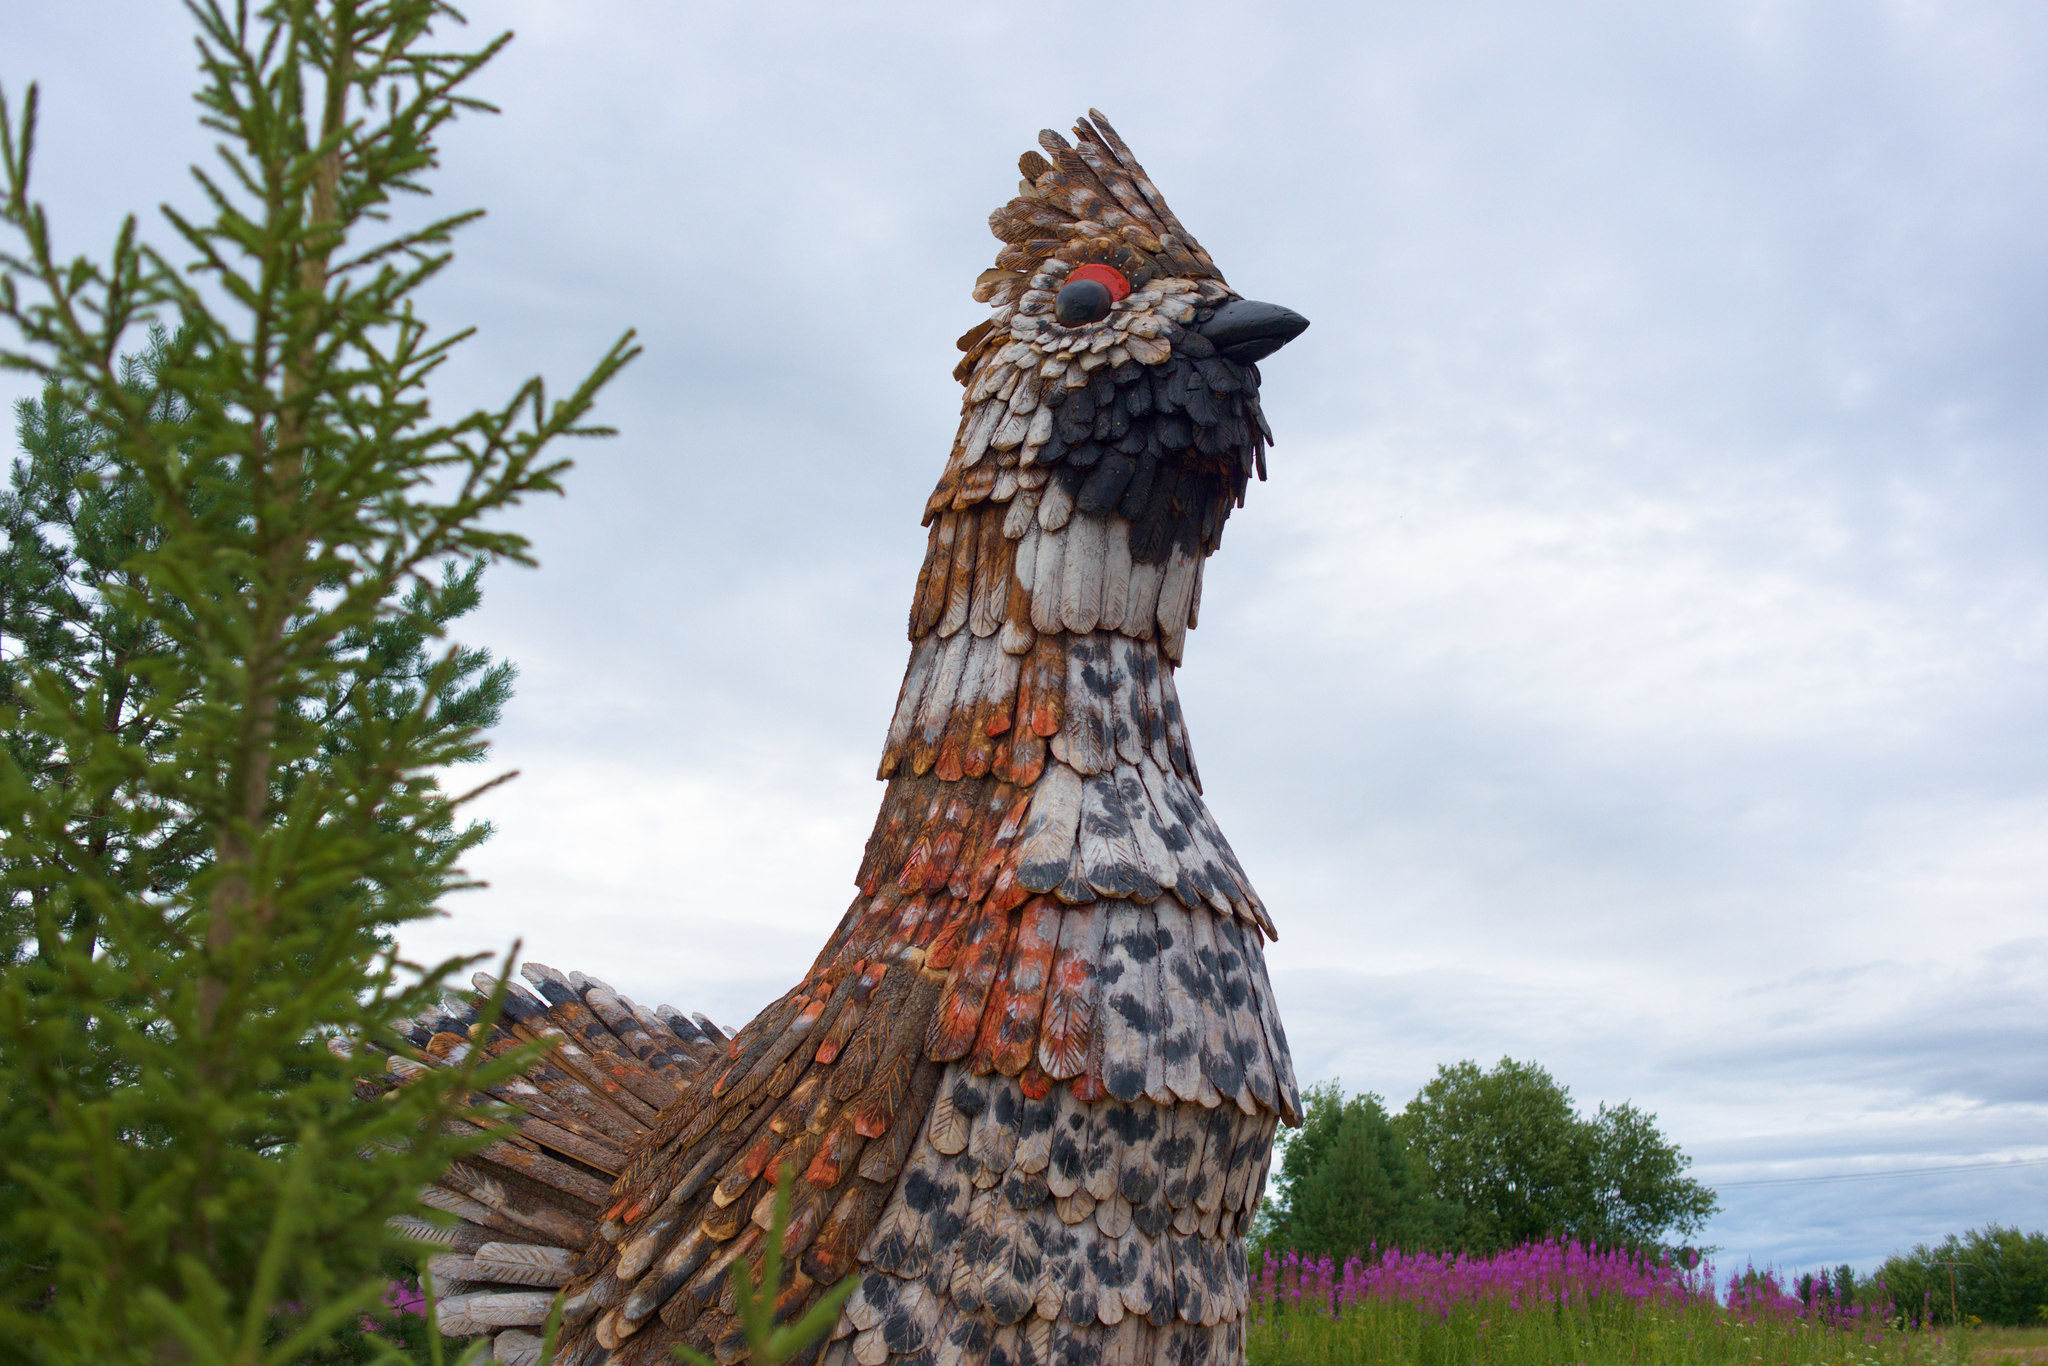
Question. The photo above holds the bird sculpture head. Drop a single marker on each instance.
(1117, 373)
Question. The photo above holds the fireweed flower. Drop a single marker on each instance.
(1551, 1274)
(401, 1298)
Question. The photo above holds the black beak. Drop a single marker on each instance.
(1245, 330)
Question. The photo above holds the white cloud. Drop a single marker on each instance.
(1616, 612)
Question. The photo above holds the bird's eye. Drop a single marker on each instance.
(1088, 294)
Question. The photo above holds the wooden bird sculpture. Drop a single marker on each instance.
(1029, 1087)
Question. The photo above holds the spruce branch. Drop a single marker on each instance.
(226, 706)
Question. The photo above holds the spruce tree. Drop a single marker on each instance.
(1346, 1185)
(205, 857)
(74, 521)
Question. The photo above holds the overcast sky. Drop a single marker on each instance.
(1634, 664)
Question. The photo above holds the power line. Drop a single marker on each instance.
(1873, 1176)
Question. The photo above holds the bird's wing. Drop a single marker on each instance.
(830, 1083)
(524, 1207)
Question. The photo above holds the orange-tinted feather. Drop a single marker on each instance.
(1069, 1015)
(958, 1018)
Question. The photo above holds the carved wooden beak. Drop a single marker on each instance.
(1245, 330)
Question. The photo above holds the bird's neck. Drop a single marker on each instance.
(1046, 636)
(971, 709)
(1037, 761)
(1037, 754)
(1038, 745)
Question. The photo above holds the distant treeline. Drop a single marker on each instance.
(2000, 1276)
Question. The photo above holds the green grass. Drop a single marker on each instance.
(2009, 1346)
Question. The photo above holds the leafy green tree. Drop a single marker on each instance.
(204, 869)
(1502, 1145)
(1635, 1189)
(2000, 1276)
(1508, 1147)
(1346, 1184)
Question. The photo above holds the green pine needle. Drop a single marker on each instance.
(231, 550)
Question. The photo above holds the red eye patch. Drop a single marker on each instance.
(1109, 277)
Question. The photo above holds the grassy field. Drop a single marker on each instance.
(2009, 1346)
(1548, 1305)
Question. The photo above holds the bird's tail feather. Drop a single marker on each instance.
(526, 1205)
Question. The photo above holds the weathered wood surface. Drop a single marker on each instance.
(1029, 1086)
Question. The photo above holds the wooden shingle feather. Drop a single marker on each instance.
(1028, 1088)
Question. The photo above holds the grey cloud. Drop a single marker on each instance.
(1897, 1029)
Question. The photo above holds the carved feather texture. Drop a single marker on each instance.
(1029, 1086)
(1149, 1003)
(530, 1202)
(1018, 1260)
